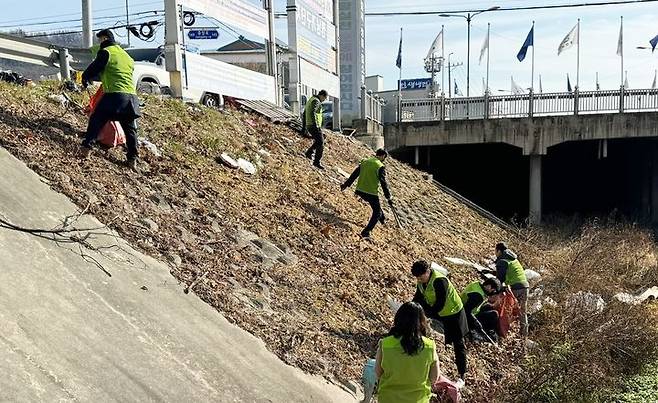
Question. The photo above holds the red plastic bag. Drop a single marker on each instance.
(112, 134)
(508, 311)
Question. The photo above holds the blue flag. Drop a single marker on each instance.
(653, 43)
(398, 62)
(569, 89)
(529, 41)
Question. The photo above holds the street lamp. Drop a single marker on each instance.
(468, 17)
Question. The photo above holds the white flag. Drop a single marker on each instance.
(653, 86)
(620, 42)
(485, 48)
(626, 82)
(436, 46)
(569, 40)
(516, 90)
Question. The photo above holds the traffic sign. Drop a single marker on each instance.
(203, 34)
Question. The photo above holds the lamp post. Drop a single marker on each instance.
(468, 17)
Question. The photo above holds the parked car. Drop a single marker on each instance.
(150, 72)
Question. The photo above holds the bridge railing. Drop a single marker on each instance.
(371, 106)
(528, 105)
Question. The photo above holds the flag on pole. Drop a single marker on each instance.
(569, 89)
(654, 43)
(485, 89)
(516, 89)
(620, 41)
(485, 47)
(569, 40)
(436, 46)
(653, 86)
(457, 90)
(529, 41)
(398, 62)
(540, 88)
(626, 82)
(598, 86)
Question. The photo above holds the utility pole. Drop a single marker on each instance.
(272, 65)
(87, 40)
(450, 67)
(127, 23)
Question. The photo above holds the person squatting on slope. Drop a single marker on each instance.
(406, 363)
(510, 271)
(371, 173)
(119, 102)
(313, 123)
(480, 315)
(439, 299)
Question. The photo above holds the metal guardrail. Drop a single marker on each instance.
(41, 53)
(371, 106)
(529, 105)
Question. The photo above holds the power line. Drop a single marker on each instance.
(557, 6)
(76, 13)
(109, 17)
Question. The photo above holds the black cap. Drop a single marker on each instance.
(105, 32)
(501, 246)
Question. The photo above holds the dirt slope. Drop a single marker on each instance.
(307, 286)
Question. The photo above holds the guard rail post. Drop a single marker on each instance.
(364, 99)
(531, 104)
(575, 101)
(64, 68)
(443, 107)
(621, 99)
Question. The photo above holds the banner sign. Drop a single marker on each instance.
(416, 84)
(237, 13)
(352, 57)
(316, 34)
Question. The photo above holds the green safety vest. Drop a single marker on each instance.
(515, 273)
(405, 377)
(117, 76)
(474, 287)
(308, 112)
(369, 176)
(453, 303)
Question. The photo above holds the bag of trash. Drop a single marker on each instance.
(369, 380)
(112, 133)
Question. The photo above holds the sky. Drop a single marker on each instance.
(598, 38)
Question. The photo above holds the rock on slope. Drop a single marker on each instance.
(277, 252)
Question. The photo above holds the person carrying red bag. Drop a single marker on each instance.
(119, 103)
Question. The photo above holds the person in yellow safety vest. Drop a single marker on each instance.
(480, 315)
(371, 173)
(119, 103)
(438, 297)
(406, 363)
(313, 122)
(510, 271)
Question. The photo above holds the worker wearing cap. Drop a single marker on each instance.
(119, 103)
(371, 173)
(440, 300)
(510, 271)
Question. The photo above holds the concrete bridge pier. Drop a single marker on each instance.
(535, 190)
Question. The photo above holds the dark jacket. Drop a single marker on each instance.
(455, 326)
(96, 67)
(473, 301)
(501, 268)
(381, 174)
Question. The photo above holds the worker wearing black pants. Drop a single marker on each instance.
(120, 107)
(371, 174)
(377, 212)
(317, 147)
(480, 315)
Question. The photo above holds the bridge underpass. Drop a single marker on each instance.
(520, 165)
(578, 178)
